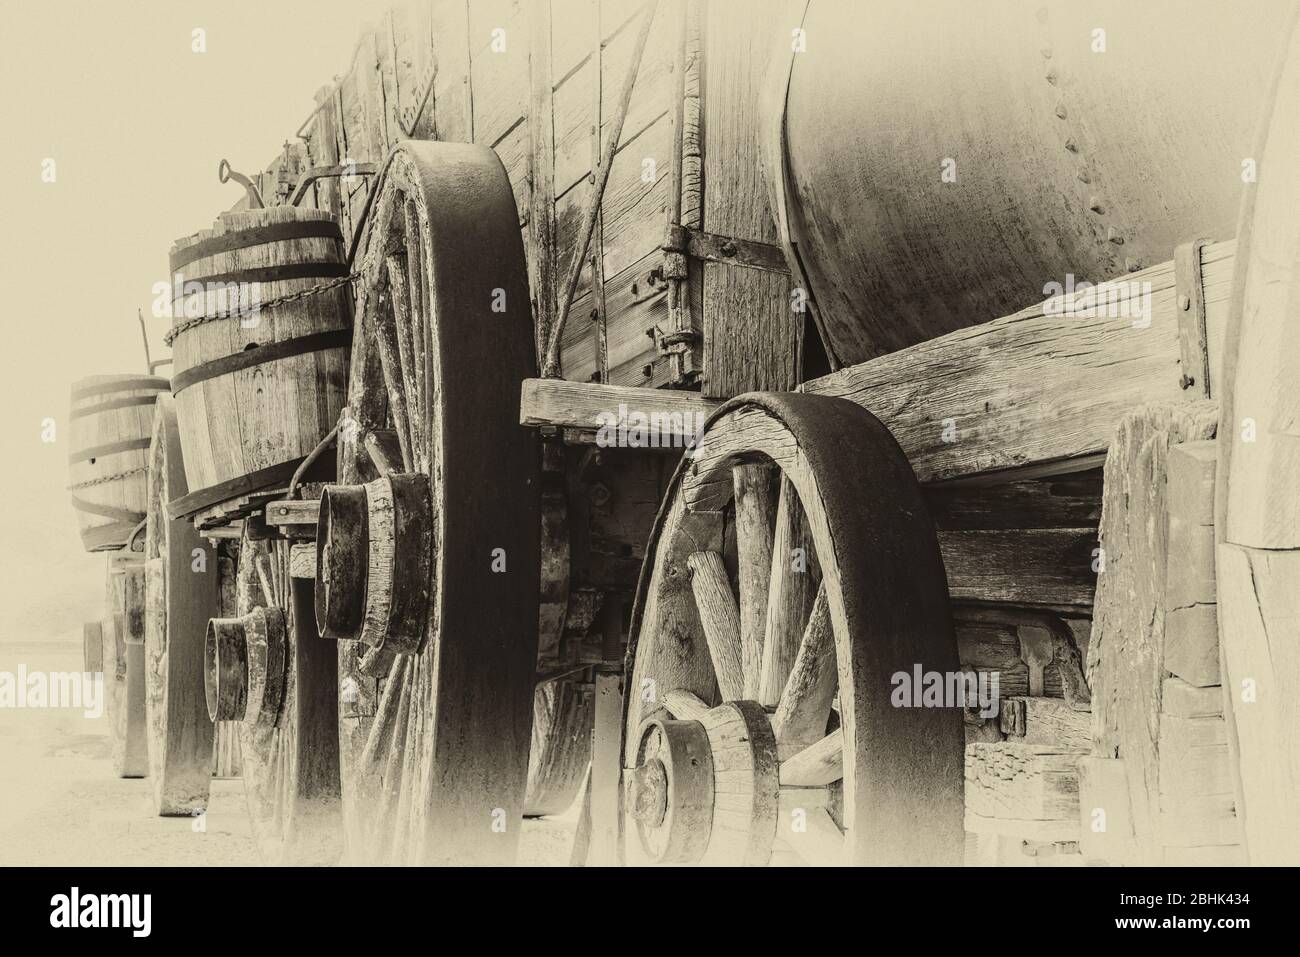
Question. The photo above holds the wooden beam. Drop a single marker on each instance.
(1034, 387)
(1028, 566)
(293, 512)
(1036, 720)
(586, 408)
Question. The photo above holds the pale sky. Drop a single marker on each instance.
(136, 123)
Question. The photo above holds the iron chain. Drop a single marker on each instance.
(104, 480)
(316, 290)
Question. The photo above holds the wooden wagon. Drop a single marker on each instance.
(842, 558)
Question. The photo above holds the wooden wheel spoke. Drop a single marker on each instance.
(790, 594)
(805, 704)
(385, 335)
(399, 292)
(421, 328)
(755, 497)
(381, 736)
(264, 578)
(720, 620)
(817, 765)
(684, 706)
(385, 453)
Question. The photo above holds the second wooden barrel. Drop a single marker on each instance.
(258, 384)
(110, 423)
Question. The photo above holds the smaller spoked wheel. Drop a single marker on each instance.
(267, 671)
(792, 575)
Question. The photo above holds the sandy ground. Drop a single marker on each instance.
(61, 805)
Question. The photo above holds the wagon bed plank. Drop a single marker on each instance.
(1032, 388)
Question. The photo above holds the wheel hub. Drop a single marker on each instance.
(706, 791)
(374, 552)
(245, 665)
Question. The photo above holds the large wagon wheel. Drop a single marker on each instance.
(181, 593)
(429, 573)
(268, 671)
(765, 725)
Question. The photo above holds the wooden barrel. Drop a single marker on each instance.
(257, 387)
(942, 161)
(111, 420)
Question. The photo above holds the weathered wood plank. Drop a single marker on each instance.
(1049, 721)
(751, 336)
(1021, 566)
(1031, 387)
(588, 407)
(1063, 501)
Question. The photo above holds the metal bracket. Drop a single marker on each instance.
(329, 172)
(675, 341)
(682, 241)
(1190, 308)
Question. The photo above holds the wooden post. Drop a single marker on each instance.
(541, 211)
(1126, 656)
(606, 838)
(751, 337)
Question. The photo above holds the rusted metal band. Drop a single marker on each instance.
(109, 448)
(257, 236)
(712, 247)
(282, 273)
(1192, 341)
(157, 383)
(236, 361)
(323, 469)
(112, 404)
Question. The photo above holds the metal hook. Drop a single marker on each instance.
(225, 173)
